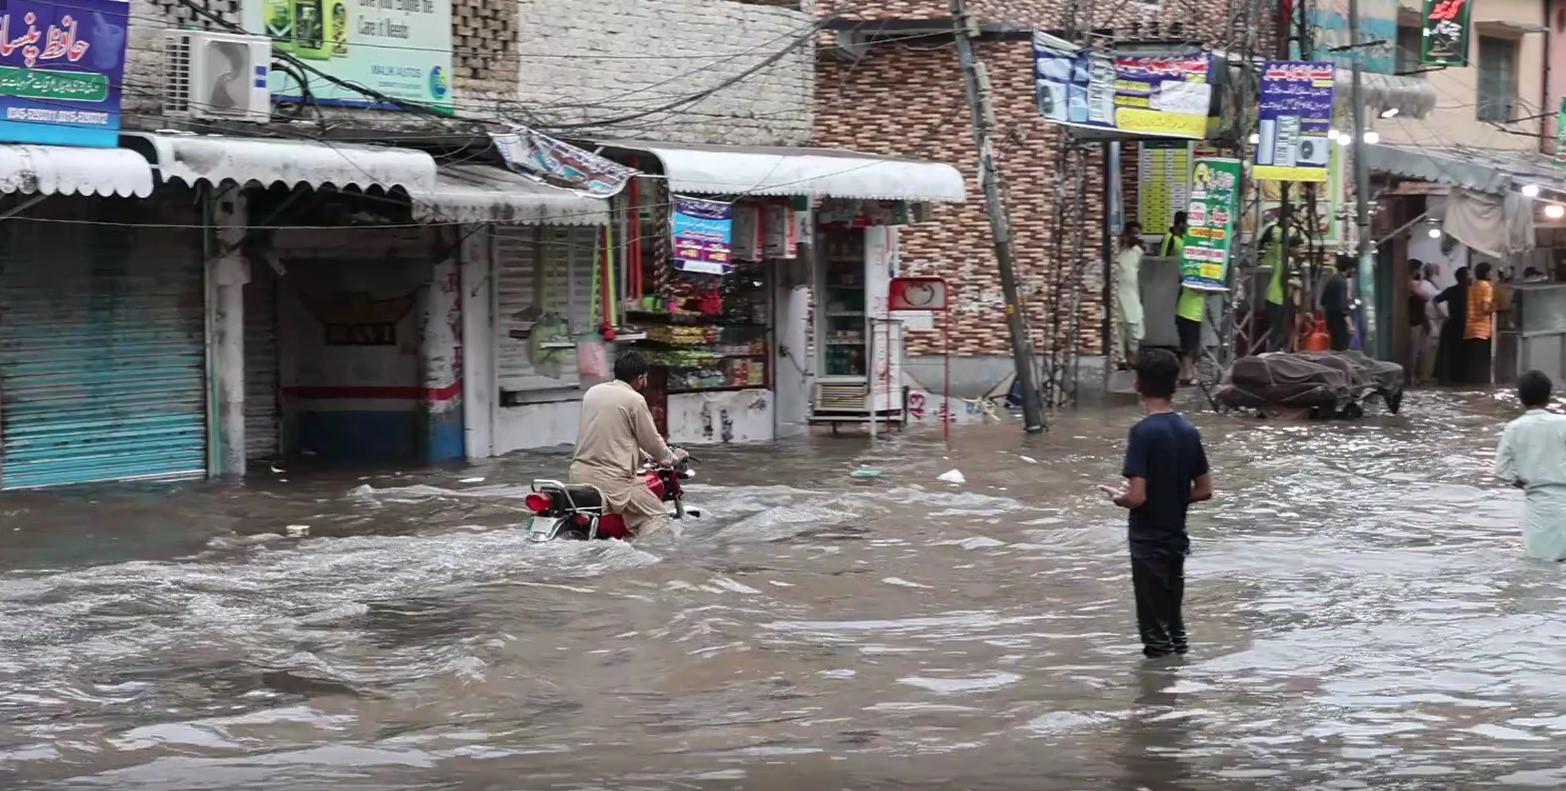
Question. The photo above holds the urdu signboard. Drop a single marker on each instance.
(61, 68)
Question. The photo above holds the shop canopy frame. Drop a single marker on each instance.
(742, 171)
(466, 193)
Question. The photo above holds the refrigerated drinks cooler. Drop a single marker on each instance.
(858, 348)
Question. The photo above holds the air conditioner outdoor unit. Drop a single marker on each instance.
(220, 76)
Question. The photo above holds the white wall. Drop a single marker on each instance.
(721, 418)
(536, 426)
(587, 59)
(791, 366)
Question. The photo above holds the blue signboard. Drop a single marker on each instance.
(1294, 118)
(60, 71)
(703, 233)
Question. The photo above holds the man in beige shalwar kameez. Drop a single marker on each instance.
(617, 429)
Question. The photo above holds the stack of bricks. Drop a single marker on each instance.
(906, 99)
(484, 54)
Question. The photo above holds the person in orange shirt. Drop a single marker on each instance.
(1480, 323)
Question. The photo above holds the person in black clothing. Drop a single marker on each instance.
(1165, 471)
(1451, 365)
(1335, 302)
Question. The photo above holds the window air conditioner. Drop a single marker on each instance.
(219, 76)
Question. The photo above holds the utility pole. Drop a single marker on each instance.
(977, 85)
(1366, 275)
(1280, 338)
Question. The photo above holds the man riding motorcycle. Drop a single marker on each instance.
(616, 429)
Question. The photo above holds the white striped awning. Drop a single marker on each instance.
(63, 170)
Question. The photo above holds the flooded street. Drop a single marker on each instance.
(1361, 616)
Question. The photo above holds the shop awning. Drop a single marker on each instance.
(219, 159)
(812, 172)
(51, 170)
(481, 193)
(1410, 96)
(1482, 170)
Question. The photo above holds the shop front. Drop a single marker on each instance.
(756, 283)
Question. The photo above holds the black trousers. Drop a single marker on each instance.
(1338, 329)
(1159, 579)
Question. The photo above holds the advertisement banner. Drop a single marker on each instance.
(1162, 95)
(61, 66)
(399, 48)
(703, 235)
(561, 164)
(1294, 116)
(1560, 134)
(1215, 184)
(1445, 39)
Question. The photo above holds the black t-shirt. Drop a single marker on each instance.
(1166, 451)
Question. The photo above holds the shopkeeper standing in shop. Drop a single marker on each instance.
(1191, 305)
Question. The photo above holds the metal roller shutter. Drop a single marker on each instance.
(261, 365)
(541, 270)
(102, 356)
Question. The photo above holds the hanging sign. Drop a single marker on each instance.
(1161, 95)
(1560, 134)
(61, 67)
(1294, 116)
(702, 233)
(917, 293)
(1445, 36)
(1215, 184)
(560, 164)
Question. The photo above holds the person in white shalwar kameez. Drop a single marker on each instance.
(1532, 457)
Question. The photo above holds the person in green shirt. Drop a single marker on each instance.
(1190, 307)
(1272, 256)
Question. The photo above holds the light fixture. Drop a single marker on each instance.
(1390, 112)
(1372, 137)
(1344, 138)
(1435, 232)
(1555, 211)
(1255, 139)
(1333, 135)
(1531, 190)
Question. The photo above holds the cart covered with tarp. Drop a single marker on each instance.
(1312, 384)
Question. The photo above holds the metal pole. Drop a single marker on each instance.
(946, 344)
(976, 84)
(1113, 226)
(1366, 276)
(1280, 338)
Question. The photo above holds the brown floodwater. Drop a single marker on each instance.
(1361, 615)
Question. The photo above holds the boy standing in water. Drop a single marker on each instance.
(1165, 471)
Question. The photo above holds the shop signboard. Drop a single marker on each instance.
(1445, 33)
(400, 49)
(561, 164)
(1159, 95)
(1560, 134)
(703, 235)
(61, 67)
(1330, 34)
(1163, 183)
(1294, 117)
(1215, 184)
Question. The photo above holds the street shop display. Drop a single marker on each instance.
(711, 332)
(1167, 95)
(1204, 261)
(1445, 33)
(1312, 384)
(1294, 117)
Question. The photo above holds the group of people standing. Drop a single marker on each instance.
(1190, 307)
(1450, 330)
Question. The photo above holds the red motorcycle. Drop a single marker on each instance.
(577, 512)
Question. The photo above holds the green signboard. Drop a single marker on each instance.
(1560, 134)
(1215, 186)
(1445, 36)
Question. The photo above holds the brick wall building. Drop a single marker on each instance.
(584, 62)
(903, 95)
